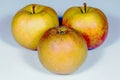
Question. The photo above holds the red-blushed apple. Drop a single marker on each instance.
(30, 23)
(62, 50)
(89, 21)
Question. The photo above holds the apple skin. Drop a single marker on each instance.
(89, 21)
(30, 23)
(62, 50)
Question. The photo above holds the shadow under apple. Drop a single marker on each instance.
(114, 30)
(28, 56)
(31, 59)
(5, 31)
(95, 55)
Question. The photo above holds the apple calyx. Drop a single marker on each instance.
(61, 32)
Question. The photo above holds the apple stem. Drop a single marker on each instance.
(33, 9)
(85, 6)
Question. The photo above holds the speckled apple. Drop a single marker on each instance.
(89, 21)
(62, 50)
(30, 23)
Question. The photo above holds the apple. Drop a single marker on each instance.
(62, 50)
(30, 23)
(89, 21)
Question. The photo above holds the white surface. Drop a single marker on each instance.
(18, 63)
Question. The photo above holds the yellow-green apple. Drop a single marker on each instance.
(89, 21)
(30, 23)
(62, 50)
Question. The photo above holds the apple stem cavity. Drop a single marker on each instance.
(33, 9)
(85, 6)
